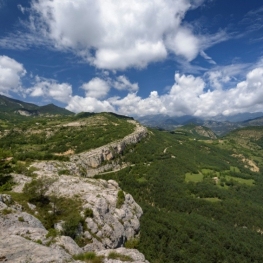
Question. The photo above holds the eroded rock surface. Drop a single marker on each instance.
(95, 161)
(110, 225)
(23, 238)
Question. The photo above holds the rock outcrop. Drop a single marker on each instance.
(110, 226)
(95, 161)
(24, 238)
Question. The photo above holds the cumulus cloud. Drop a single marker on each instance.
(50, 89)
(11, 73)
(135, 105)
(116, 34)
(224, 76)
(78, 104)
(189, 95)
(96, 88)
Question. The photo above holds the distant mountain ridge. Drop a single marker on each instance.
(13, 106)
(219, 124)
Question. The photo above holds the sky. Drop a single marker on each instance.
(173, 57)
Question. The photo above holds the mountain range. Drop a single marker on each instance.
(219, 124)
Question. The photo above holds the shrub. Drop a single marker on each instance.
(21, 219)
(6, 211)
(37, 188)
(52, 233)
(120, 199)
(88, 212)
(64, 171)
(72, 225)
(132, 243)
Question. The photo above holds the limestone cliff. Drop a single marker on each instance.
(95, 161)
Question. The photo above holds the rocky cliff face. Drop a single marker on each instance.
(95, 161)
(92, 160)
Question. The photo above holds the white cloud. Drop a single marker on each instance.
(78, 104)
(11, 73)
(96, 88)
(225, 76)
(188, 95)
(184, 43)
(50, 89)
(135, 105)
(116, 34)
(205, 56)
(122, 83)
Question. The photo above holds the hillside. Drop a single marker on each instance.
(10, 107)
(58, 138)
(196, 132)
(180, 196)
(201, 198)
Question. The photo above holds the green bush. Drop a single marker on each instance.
(120, 199)
(37, 188)
(52, 233)
(72, 225)
(88, 212)
(132, 243)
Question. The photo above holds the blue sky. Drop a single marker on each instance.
(175, 57)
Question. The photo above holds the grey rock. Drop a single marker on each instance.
(6, 199)
(17, 249)
(133, 253)
(68, 244)
(87, 235)
(59, 226)
(31, 206)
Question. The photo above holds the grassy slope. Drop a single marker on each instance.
(44, 138)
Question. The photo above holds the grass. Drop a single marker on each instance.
(212, 199)
(115, 255)
(90, 257)
(190, 177)
(249, 182)
(142, 180)
(234, 169)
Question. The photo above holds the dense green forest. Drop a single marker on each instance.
(201, 202)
